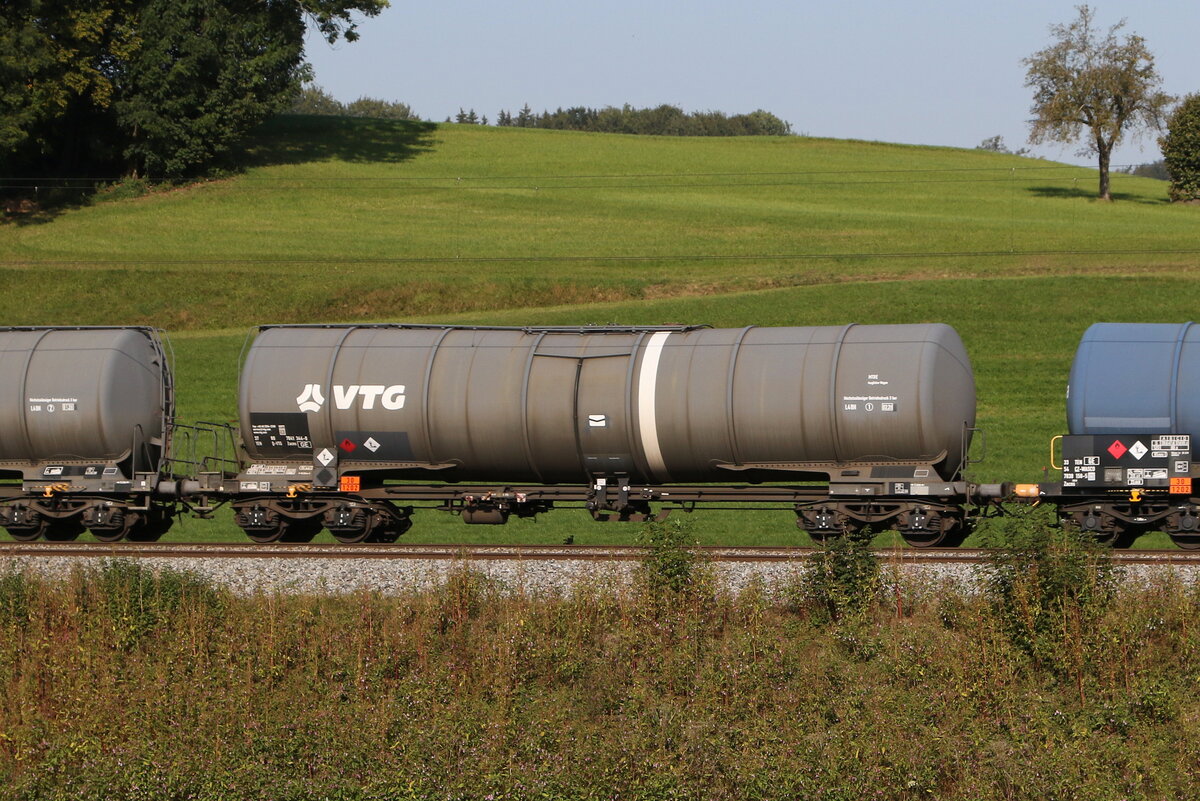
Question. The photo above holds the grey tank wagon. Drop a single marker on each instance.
(858, 425)
(85, 426)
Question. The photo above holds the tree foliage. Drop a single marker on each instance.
(1181, 150)
(1155, 169)
(55, 57)
(315, 100)
(206, 72)
(664, 120)
(995, 144)
(157, 88)
(1093, 87)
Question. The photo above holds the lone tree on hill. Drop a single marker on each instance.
(1181, 150)
(1093, 87)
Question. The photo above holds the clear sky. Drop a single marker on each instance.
(929, 72)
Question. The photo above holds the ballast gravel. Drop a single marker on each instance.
(314, 575)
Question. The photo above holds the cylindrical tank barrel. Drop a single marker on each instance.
(80, 394)
(658, 405)
(1136, 378)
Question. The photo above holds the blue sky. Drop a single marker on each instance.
(921, 72)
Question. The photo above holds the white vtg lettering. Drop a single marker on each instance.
(389, 397)
(311, 399)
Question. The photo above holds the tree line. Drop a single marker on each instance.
(663, 120)
(157, 89)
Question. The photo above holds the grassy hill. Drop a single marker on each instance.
(347, 220)
(352, 219)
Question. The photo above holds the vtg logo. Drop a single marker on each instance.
(389, 397)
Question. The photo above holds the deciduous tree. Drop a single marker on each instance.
(207, 71)
(1094, 87)
(55, 58)
(156, 87)
(1181, 150)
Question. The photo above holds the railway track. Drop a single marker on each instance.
(540, 553)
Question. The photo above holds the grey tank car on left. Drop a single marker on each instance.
(86, 419)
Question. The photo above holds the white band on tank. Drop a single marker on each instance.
(647, 421)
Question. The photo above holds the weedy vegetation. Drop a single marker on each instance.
(1048, 681)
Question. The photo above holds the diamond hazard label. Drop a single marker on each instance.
(1138, 450)
(371, 444)
(347, 446)
(325, 456)
(1117, 449)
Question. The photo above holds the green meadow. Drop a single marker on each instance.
(340, 220)
(368, 220)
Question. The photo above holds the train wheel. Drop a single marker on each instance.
(63, 530)
(930, 539)
(109, 523)
(301, 530)
(30, 532)
(1184, 529)
(285, 529)
(922, 528)
(267, 530)
(1105, 528)
(350, 525)
(391, 531)
(262, 525)
(23, 523)
(115, 529)
(1187, 542)
(821, 524)
(151, 529)
(268, 535)
(108, 535)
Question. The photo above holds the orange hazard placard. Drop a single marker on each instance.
(1181, 486)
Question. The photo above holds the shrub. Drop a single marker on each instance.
(671, 564)
(843, 578)
(1048, 585)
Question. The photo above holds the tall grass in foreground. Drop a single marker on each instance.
(119, 684)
